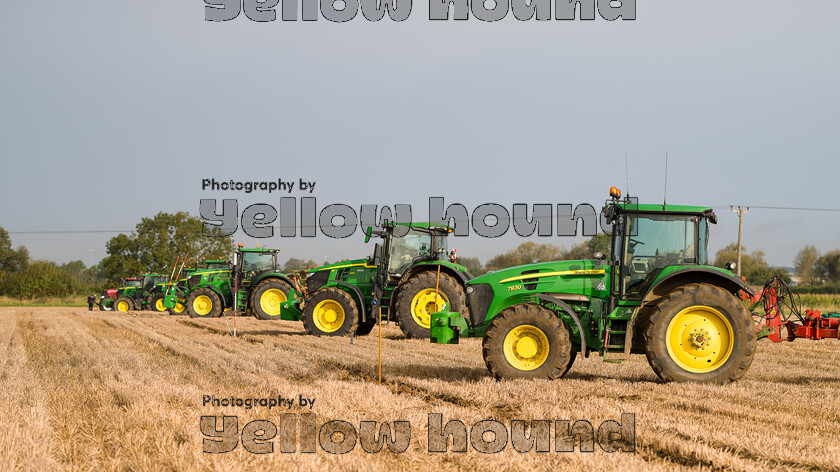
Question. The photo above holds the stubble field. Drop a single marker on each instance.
(113, 391)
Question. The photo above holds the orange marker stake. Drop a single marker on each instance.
(379, 322)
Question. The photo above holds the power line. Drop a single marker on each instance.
(777, 208)
(73, 231)
(794, 208)
(552, 218)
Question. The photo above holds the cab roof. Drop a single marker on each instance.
(427, 225)
(656, 208)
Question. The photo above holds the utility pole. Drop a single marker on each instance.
(740, 212)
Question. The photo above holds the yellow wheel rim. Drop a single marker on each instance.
(270, 301)
(122, 306)
(159, 305)
(179, 307)
(526, 347)
(424, 304)
(699, 339)
(202, 305)
(328, 316)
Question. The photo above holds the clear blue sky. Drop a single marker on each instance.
(112, 111)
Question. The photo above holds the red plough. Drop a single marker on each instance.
(782, 308)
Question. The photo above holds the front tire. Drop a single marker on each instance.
(527, 341)
(267, 297)
(204, 303)
(179, 309)
(124, 304)
(331, 312)
(700, 333)
(156, 303)
(417, 301)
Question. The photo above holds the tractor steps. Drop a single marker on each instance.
(616, 349)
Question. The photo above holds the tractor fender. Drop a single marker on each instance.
(695, 275)
(282, 277)
(444, 269)
(357, 294)
(574, 317)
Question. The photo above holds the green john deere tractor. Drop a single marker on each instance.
(174, 298)
(136, 294)
(654, 295)
(401, 278)
(255, 280)
(109, 296)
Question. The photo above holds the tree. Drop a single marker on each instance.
(157, 241)
(11, 260)
(296, 264)
(40, 279)
(472, 264)
(753, 266)
(75, 269)
(805, 262)
(827, 266)
(586, 250)
(527, 253)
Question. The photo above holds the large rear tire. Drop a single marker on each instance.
(417, 301)
(204, 303)
(267, 297)
(527, 341)
(331, 312)
(700, 333)
(124, 304)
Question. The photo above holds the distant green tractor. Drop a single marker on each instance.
(174, 298)
(136, 294)
(260, 289)
(401, 277)
(109, 296)
(655, 295)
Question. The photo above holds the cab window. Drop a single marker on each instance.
(257, 261)
(404, 249)
(653, 242)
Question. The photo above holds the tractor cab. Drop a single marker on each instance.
(150, 280)
(649, 238)
(131, 282)
(217, 265)
(252, 262)
(412, 243)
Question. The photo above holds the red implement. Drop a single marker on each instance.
(777, 297)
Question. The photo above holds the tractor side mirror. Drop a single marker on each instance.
(377, 255)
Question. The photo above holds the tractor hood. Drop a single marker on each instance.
(339, 265)
(584, 277)
(492, 292)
